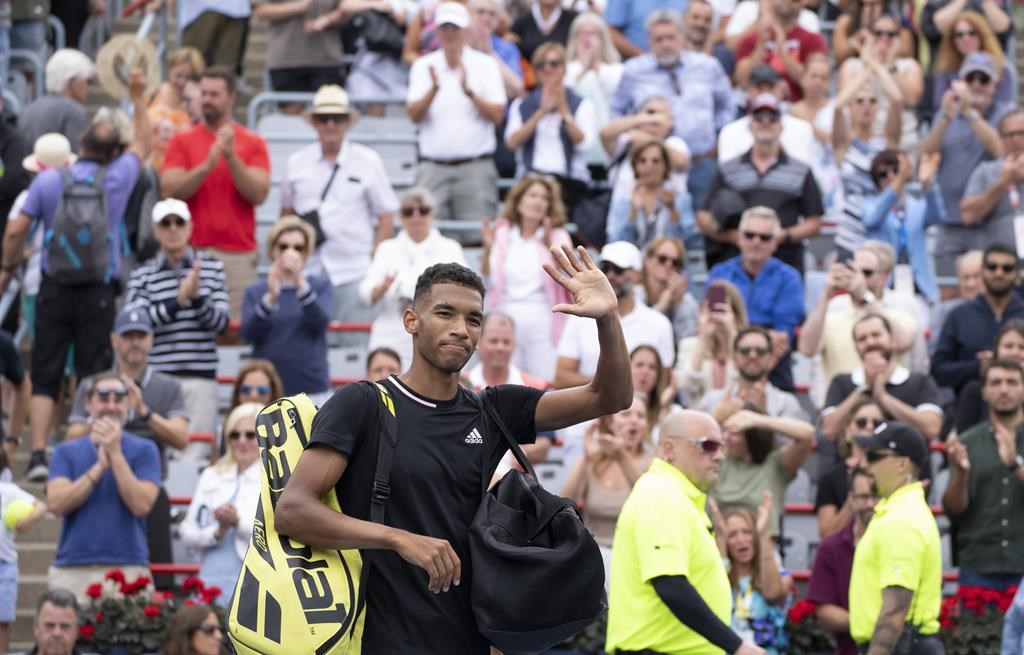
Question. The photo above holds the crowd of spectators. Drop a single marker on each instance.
(707, 150)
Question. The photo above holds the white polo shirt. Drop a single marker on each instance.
(642, 326)
(453, 127)
(359, 194)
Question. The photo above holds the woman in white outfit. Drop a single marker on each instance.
(219, 521)
(515, 247)
(391, 281)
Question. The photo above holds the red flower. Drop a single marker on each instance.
(190, 602)
(159, 598)
(117, 575)
(95, 590)
(87, 631)
(210, 593)
(151, 610)
(800, 611)
(126, 590)
(99, 617)
(192, 584)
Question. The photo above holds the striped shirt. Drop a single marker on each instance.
(184, 339)
(788, 187)
(855, 176)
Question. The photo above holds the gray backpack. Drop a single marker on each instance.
(77, 243)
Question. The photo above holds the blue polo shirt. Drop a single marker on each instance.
(774, 297)
(629, 16)
(44, 194)
(102, 530)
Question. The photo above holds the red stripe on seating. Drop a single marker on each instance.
(333, 326)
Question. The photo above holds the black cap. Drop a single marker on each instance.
(900, 438)
(763, 74)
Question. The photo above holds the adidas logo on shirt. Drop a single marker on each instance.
(474, 437)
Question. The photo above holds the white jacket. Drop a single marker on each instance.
(216, 487)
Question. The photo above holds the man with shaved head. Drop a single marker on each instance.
(669, 590)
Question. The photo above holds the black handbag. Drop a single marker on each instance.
(313, 216)
(538, 575)
(379, 32)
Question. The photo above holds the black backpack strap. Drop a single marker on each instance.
(488, 414)
(387, 441)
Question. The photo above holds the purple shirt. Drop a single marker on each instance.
(830, 579)
(45, 192)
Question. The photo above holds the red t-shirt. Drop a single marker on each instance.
(800, 44)
(221, 216)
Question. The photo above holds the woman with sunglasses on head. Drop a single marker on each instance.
(655, 207)
(389, 284)
(551, 129)
(193, 630)
(753, 465)
(761, 587)
(515, 248)
(901, 220)
(617, 451)
(969, 32)
(883, 45)
(856, 141)
(593, 71)
(285, 316)
(219, 521)
(664, 285)
(704, 360)
(258, 382)
(833, 504)
(971, 408)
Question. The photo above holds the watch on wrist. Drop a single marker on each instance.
(148, 415)
(468, 91)
(1018, 462)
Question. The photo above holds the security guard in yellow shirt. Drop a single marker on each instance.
(669, 592)
(896, 583)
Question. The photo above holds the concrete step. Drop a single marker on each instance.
(35, 558)
(47, 531)
(24, 620)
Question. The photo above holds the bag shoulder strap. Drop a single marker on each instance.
(387, 441)
(489, 413)
(330, 181)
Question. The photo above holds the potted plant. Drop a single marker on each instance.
(129, 618)
(972, 621)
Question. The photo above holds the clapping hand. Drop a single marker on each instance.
(1006, 443)
(188, 290)
(928, 167)
(957, 454)
(590, 289)
(227, 516)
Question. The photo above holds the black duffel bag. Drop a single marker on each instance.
(538, 575)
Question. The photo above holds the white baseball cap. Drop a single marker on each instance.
(622, 254)
(170, 207)
(452, 13)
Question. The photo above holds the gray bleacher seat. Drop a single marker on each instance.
(804, 529)
(798, 551)
(800, 489)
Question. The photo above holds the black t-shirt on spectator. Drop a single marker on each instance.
(530, 37)
(436, 479)
(915, 389)
(833, 487)
(10, 365)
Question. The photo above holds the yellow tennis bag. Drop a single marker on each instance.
(292, 598)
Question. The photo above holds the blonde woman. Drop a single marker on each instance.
(616, 453)
(285, 316)
(219, 521)
(704, 361)
(514, 250)
(168, 111)
(593, 71)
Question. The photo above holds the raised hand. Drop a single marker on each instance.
(764, 514)
(590, 289)
(928, 167)
(487, 232)
(957, 454)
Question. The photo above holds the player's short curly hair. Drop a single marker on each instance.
(450, 273)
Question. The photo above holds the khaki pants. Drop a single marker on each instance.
(219, 37)
(77, 579)
(240, 271)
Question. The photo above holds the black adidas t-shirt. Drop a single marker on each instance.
(436, 479)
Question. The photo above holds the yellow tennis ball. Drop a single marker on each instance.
(16, 510)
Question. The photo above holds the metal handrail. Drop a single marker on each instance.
(275, 97)
(11, 101)
(60, 37)
(38, 68)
